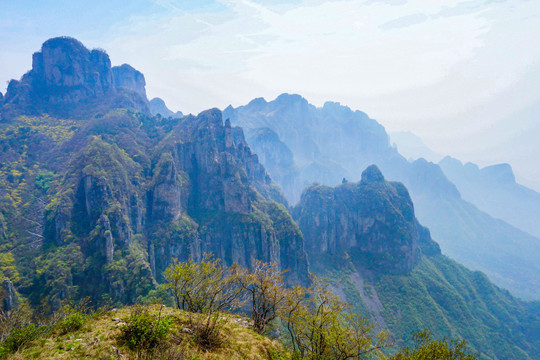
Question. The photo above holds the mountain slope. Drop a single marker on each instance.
(333, 143)
(413, 286)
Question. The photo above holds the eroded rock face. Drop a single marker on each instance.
(66, 71)
(216, 193)
(199, 190)
(373, 218)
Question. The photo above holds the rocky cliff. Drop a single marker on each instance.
(374, 218)
(201, 190)
(126, 77)
(67, 79)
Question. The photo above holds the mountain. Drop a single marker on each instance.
(333, 143)
(494, 190)
(98, 197)
(158, 107)
(412, 147)
(365, 239)
(100, 203)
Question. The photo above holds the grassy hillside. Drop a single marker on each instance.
(100, 338)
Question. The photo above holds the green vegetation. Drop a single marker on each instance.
(427, 348)
(143, 331)
(77, 220)
(315, 324)
(439, 295)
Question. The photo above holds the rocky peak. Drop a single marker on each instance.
(65, 64)
(65, 73)
(376, 223)
(125, 76)
(501, 173)
(429, 177)
(290, 99)
(158, 107)
(220, 164)
(371, 175)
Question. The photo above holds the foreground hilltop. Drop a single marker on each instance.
(99, 337)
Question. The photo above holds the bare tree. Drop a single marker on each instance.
(265, 289)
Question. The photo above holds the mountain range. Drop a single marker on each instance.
(99, 194)
(299, 144)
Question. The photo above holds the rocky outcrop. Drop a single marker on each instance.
(373, 218)
(126, 77)
(158, 107)
(9, 296)
(68, 79)
(276, 157)
(167, 198)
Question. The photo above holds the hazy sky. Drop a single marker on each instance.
(462, 75)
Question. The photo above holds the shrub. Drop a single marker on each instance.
(144, 331)
(19, 337)
(72, 317)
(206, 288)
(266, 290)
(320, 326)
(18, 328)
(207, 331)
(428, 348)
(71, 322)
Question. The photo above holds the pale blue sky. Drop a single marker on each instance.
(464, 75)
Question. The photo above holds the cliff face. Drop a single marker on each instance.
(66, 75)
(201, 190)
(374, 218)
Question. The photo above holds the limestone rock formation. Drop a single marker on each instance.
(132, 199)
(374, 218)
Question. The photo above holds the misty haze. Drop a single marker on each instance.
(253, 179)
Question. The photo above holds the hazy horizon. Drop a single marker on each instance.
(461, 75)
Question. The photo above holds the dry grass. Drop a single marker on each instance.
(99, 340)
